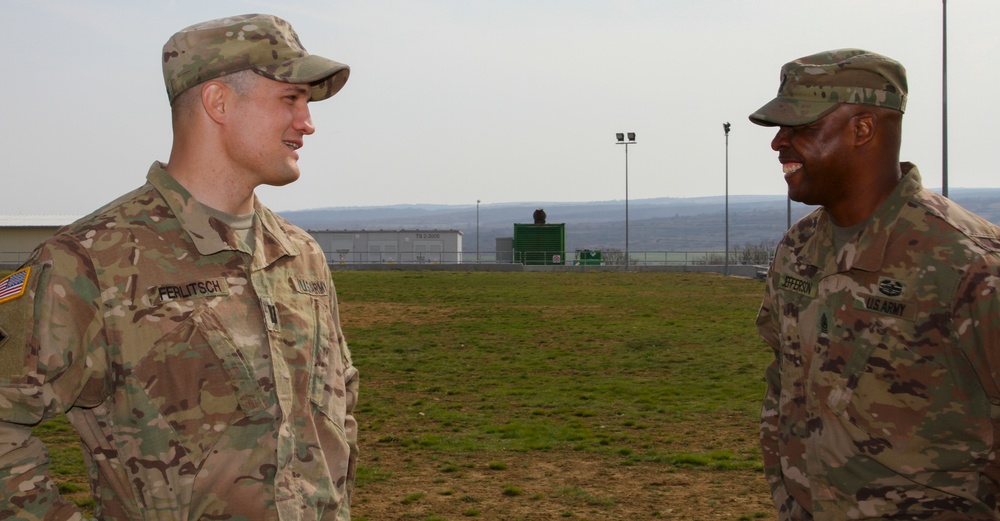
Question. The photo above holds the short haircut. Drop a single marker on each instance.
(242, 83)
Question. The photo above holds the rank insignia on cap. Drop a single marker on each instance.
(13, 285)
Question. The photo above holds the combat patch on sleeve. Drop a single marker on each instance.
(13, 285)
(14, 321)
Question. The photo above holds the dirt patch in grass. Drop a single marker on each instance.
(632, 390)
(555, 485)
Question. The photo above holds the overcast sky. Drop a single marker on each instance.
(453, 101)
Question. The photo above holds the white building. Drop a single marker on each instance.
(20, 234)
(390, 246)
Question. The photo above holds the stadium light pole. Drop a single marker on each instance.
(725, 128)
(944, 98)
(477, 230)
(621, 141)
(788, 203)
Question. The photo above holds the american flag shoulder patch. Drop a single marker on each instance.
(14, 285)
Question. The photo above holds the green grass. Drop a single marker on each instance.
(643, 368)
(602, 362)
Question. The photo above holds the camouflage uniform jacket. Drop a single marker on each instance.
(205, 382)
(883, 399)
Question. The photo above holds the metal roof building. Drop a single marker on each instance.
(390, 246)
(19, 234)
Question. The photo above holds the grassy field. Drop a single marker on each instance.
(548, 396)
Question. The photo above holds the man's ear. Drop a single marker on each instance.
(864, 124)
(214, 97)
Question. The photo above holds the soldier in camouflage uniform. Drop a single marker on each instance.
(191, 335)
(881, 307)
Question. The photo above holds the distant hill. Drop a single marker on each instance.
(662, 224)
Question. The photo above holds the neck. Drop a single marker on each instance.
(866, 198)
(213, 185)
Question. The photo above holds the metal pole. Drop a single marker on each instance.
(788, 201)
(621, 141)
(944, 98)
(725, 127)
(477, 230)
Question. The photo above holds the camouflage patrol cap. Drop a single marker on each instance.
(262, 43)
(812, 86)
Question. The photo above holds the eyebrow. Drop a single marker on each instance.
(298, 88)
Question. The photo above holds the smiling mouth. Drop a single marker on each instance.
(790, 168)
(293, 146)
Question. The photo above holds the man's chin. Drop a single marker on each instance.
(289, 176)
(796, 192)
(803, 198)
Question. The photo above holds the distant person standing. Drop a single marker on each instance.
(191, 335)
(883, 399)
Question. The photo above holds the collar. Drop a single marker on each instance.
(210, 235)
